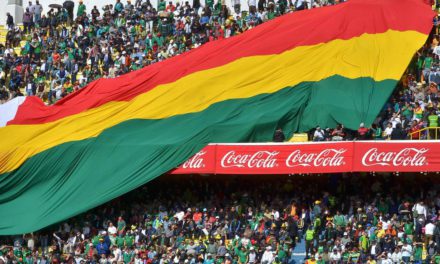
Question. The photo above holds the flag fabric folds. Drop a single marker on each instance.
(323, 66)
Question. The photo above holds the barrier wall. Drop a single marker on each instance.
(311, 157)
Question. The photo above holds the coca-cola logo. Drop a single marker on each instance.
(259, 159)
(196, 162)
(407, 157)
(325, 158)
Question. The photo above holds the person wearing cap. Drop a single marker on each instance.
(268, 256)
(208, 259)
(252, 257)
(81, 9)
(362, 132)
(345, 239)
(103, 248)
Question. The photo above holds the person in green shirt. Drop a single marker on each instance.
(81, 9)
(95, 240)
(339, 219)
(129, 240)
(128, 255)
(364, 242)
(354, 255)
(310, 235)
(282, 253)
(120, 241)
(161, 6)
(427, 63)
(242, 254)
(417, 256)
(408, 228)
(118, 6)
(407, 111)
(209, 259)
(433, 119)
(209, 3)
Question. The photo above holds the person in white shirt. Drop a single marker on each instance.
(276, 215)
(388, 130)
(420, 209)
(318, 135)
(252, 256)
(406, 252)
(117, 253)
(267, 257)
(335, 256)
(396, 257)
(385, 259)
(112, 229)
(429, 232)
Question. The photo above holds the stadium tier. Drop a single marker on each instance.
(212, 133)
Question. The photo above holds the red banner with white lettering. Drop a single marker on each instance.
(201, 163)
(399, 156)
(284, 158)
(311, 157)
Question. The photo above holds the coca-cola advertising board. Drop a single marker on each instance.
(284, 158)
(202, 162)
(314, 157)
(402, 156)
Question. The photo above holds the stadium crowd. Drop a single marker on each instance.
(340, 218)
(61, 52)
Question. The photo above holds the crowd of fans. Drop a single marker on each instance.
(339, 218)
(63, 51)
(413, 106)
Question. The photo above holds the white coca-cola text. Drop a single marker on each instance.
(327, 157)
(412, 157)
(259, 159)
(196, 162)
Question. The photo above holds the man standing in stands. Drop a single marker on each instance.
(37, 9)
(362, 132)
(81, 9)
(310, 235)
(9, 21)
(279, 136)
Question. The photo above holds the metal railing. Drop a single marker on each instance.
(425, 133)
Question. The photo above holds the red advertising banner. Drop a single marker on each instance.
(201, 163)
(284, 158)
(401, 156)
(314, 157)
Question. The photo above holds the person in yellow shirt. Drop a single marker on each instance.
(371, 260)
(311, 260)
(380, 233)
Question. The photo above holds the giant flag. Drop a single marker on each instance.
(308, 68)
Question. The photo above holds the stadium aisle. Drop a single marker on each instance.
(298, 253)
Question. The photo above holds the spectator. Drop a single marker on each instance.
(338, 133)
(279, 136)
(363, 132)
(388, 131)
(398, 133)
(9, 21)
(318, 135)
